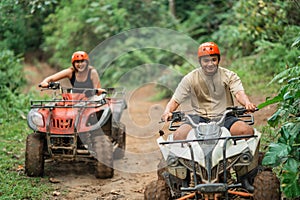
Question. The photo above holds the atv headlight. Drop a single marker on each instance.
(35, 119)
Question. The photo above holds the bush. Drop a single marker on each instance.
(12, 81)
(95, 22)
(21, 24)
(285, 153)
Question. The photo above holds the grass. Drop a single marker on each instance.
(14, 183)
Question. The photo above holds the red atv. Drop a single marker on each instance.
(75, 127)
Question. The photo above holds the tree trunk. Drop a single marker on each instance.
(172, 7)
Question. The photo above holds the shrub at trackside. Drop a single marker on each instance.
(285, 153)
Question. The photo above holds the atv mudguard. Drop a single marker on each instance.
(233, 148)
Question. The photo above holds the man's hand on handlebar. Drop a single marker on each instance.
(250, 107)
(166, 117)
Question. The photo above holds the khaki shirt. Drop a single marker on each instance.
(210, 95)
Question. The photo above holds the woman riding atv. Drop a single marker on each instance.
(80, 74)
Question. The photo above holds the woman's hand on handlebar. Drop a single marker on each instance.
(101, 91)
(44, 84)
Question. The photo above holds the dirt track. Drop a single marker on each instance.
(132, 173)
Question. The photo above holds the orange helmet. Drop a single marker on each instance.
(80, 55)
(208, 48)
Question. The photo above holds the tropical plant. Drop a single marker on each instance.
(285, 153)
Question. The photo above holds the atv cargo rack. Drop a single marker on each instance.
(67, 103)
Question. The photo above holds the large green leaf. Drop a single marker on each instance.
(297, 42)
(290, 131)
(290, 178)
(276, 99)
(277, 153)
(275, 118)
(270, 101)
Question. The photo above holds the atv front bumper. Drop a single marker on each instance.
(210, 188)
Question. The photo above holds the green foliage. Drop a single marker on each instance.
(20, 27)
(275, 55)
(96, 21)
(286, 152)
(10, 73)
(12, 82)
(12, 21)
(251, 21)
(203, 18)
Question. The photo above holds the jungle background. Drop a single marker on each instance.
(259, 40)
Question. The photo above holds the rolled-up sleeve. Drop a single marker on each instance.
(235, 83)
(182, 91)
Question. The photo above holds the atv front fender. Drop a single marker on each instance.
(103, 120)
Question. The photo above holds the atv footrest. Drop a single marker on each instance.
(207, 188)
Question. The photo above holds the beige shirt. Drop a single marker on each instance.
(210, 95)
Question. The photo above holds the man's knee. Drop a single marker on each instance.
(182, 132)
(241, 128)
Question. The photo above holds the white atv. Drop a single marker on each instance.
(194, 168)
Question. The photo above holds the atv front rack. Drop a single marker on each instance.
(210, 187)
(67, 103)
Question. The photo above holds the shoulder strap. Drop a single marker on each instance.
(72, 80)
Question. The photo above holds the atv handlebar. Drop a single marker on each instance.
(52, 85)
(57, 86)
(239, 112)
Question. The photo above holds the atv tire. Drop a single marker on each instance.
(157, 190)
(266, 186)
(119, 152)
(161, 168)
(104, 156)
(34, 158)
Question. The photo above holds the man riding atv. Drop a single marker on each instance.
(207, 157)
(210, 88)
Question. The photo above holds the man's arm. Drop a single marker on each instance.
(243, 99)
(171, 106)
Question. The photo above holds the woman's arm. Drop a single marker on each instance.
(95, 78)
(66, 73)
(96, 81)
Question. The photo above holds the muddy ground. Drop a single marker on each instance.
(137, 168)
